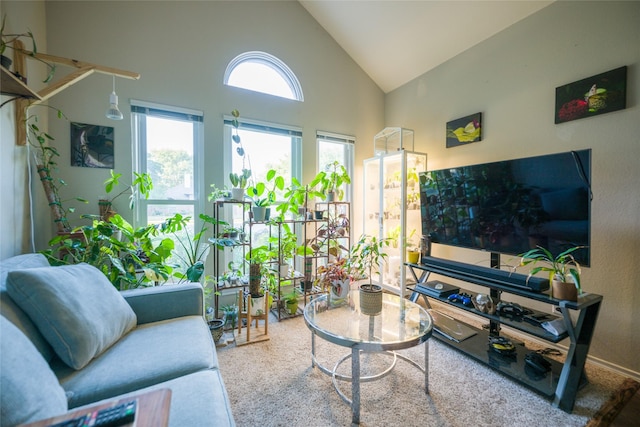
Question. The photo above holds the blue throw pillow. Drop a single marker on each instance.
(75, 307)
(30, 390)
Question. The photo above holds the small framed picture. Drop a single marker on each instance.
(599, 94)
(92, 146)
(464, 130)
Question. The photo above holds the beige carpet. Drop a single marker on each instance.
(272, 384)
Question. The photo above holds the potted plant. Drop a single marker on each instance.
(297, 196)
(564, 271)
(364, 259)
(335, 176)
(290, 301)
(335, 277)
(141, 184)
(264, 195)
(258, 258)
(194, 249)
(239, 181)
(129, 257)
(14, 42)
(288, 248)
(230, 316)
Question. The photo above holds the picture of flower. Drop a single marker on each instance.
(602, 93)
(464, 130)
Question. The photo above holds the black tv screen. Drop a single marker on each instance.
(511, 206)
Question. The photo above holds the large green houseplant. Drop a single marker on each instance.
(564, 271)
(128, 256)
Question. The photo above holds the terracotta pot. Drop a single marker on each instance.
(564, 290)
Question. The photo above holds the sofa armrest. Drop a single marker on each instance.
(166, 302)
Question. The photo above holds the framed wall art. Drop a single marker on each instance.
(599, 94)
(464, 130)
(92, 145)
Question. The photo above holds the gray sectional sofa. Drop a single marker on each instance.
(68, 339)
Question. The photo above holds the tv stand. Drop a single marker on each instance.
(563, 381)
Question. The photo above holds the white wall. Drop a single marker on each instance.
(14, 183)
(181, 50)
(511, 78)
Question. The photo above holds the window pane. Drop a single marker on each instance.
(330, 151)
(170, 158)
(261, 78)
(265, 151)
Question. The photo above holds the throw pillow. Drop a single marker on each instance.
(30, 390)
(75, 308)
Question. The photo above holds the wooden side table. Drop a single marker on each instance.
(152, 411)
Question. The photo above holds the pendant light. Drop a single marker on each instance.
(113, 112)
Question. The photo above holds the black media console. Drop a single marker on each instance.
(563, 381)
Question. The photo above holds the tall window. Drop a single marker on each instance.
(168, 145)
(267, 146)
(334, 147)
(262, 72)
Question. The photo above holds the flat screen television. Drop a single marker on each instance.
(509, 207)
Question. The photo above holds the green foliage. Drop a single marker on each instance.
(129, 257)
(194, 249)
(240, 180)
(298, 195)
(264, 193)
(46, 163)
(7, 41)
(561, 267)
(141, 184)
(366, 255)
(334, 178)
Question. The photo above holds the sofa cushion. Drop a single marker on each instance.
(75, 307)
(30, 390)
(198, 399)
(149, 354)
(15, 314)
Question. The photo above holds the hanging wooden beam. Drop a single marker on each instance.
(84, 69)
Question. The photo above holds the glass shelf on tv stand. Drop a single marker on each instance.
(564, 380)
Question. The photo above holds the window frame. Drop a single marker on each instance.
(139, 111)
(347, 141)
(272, 62)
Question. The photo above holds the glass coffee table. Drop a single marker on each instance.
(401, 324)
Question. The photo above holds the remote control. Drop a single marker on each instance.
(119, 415)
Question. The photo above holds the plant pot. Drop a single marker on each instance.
(237, 194)
(6, 61)
(413, 257)
(370, 299)
(292, 306)
(331, 196)
(564, 290)
(216, 327)
(259, 213)
(340, 288)
(319, 214)
(306, 285)
(257, 305)
(284, 270)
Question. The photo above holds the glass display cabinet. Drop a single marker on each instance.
(392, 196)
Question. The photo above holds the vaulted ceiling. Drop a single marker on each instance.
(395, 41)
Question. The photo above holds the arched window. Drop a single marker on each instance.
(262, 72)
